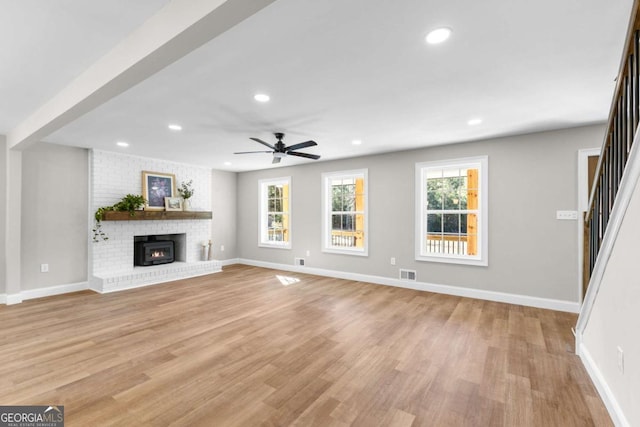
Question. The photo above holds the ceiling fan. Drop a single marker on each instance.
(280, 150)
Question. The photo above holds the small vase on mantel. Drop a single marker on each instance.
(185, 191)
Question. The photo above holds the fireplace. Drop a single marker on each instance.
(154, 252)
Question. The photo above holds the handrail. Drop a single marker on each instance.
(622, 127)
(633, 26)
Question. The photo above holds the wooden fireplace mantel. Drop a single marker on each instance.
(156, 215)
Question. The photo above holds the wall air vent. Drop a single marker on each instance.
(298, 261)
(407, 275)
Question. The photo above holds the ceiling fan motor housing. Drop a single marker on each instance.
(280, 147)
(280, 150)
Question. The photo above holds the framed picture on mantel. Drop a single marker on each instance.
(155, 187)
(172, 204)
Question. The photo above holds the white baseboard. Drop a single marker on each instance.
(54, 290)
(230, 261)
(607, 396)
(529, 301)
(42, 292)
(13, 299)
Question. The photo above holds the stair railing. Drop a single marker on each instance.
(621, 131)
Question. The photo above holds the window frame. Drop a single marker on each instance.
(482, 164)
(263, 212)
(327, 212)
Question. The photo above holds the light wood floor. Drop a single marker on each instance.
(241, 348)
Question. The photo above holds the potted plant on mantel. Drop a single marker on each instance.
(186, 191)
(129, 203)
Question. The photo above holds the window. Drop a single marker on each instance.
(345, 212)
(275, 213)
(451, 211)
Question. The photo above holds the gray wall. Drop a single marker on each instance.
(3, 214)
(223, 205)
(54, 215)
(530, 177)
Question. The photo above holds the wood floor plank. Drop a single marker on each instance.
(519, 402)
(239, 348)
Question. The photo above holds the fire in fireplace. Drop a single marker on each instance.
(153, 252)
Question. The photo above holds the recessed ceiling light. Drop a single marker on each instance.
(261, 97)
(474, 122)
(227, 163)
(175, 127)
(122, 144)
(356, 142)
(438, 35)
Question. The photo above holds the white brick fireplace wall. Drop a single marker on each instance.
(113, 176)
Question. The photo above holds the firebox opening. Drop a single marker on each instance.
(158, 249)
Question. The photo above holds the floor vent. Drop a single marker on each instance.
(407, 275)
(298, 261)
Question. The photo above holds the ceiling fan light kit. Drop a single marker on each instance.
(279, 150)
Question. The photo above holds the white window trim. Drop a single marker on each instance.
(483, 208)
(262, 216)
(326, 213)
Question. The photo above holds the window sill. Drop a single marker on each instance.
(454, 260)
(359, 252)
(270, 246)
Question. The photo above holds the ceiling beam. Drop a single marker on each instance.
(177, 29)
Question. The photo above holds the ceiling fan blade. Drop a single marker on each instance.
(301, 145)
(249, 152)
(305, 155)
(276, 160)
(263, 143)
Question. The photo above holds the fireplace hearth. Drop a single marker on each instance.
(154, 252)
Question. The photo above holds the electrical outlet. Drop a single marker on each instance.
(620, 360)
(44, 268)
(221, 248)
(393, 260)
(308, 253)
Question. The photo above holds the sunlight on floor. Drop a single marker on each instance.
(286, 281)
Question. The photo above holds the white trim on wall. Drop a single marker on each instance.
(607, 396)
(13, 299)
(583, 205)
(43, 292)
(467, 292)
(583, 170)
(54, 290)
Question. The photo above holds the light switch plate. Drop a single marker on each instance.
(567, 215)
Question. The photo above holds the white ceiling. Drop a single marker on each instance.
(336, 70)
(46, 44)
